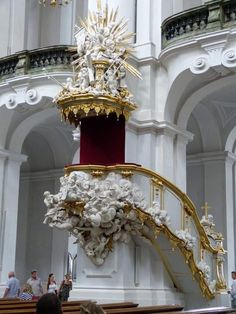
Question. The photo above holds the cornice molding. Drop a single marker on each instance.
(13, 156)
(202, 158)
(145, 53)
(158, 127)
(41, 175)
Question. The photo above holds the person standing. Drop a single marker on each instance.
(51, 285)
(35, 282)
(13, 286)
(232, 291)
(65, 287)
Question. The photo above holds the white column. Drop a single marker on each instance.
(50, 20)
(230, 212)
(66, 25)
(19, 26)
(5, 25)
(33, 26)
(145, 92)
(13, 21)
(180, 160)
(143, 21)
(165, 153)
(219, 194)
(3, 157)
(10, 207)
(148, 39)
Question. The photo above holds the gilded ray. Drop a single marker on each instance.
(132, 69)
(90, 16)
(117, 25)
(84, 25)
(111, 16)
(115, 15)
(120, 28)
(106, 15)
(99, 5)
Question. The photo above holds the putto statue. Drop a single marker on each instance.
(100, 65)
(98, 211)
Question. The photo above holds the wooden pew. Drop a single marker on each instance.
(72, 309)
(31, 304)
(147, 309)
(72, 306)
(214, 310)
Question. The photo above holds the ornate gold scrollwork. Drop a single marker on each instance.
(176, 243)
(97, 173)
(126, 173)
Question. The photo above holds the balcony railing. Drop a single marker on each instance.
(214, 15)
(55, 58)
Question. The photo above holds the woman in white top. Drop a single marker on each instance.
(51, 286)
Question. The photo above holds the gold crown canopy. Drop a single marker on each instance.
(100, 65)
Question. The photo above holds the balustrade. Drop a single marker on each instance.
(53, 58)
(214, 15)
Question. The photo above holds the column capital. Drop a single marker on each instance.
(160, 128)
(203, 158)
(13, 156)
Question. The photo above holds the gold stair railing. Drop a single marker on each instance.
(185, 232)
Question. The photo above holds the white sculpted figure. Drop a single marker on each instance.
(160, 216)
(70, 85)
(189, 240)
(111, 81)
(101, 39)
(82, 81)
(102, 217)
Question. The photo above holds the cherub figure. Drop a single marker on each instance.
(69, 85)
(83, 80)
(111, 81)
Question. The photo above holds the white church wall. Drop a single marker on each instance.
(195, 185)
(143, 278)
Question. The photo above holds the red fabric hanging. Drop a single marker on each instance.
(102, 140)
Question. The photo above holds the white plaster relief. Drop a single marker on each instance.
(32, 97)
(200, 65)
(189, 240)
(99, 211)
(229, 58)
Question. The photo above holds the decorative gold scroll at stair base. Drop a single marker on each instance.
(188, 208)
(74, 106)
